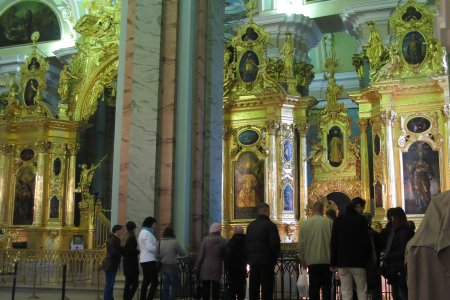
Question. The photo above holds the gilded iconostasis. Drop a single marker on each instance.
(322, 101)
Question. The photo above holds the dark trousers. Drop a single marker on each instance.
(237, 281)
(261, 278)
(131, 285)
(319, 277)
(150, 277)
(207, 285)
(110, 278)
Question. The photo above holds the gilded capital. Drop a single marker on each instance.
(7, 149)
(272, 126)
(73, 148)
(363, 123)
(43, 146)
(388, 117)
(302, 129)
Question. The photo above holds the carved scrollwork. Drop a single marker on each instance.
(43, 146)
(73, 148)
(446, 111)
(272, 127)
(226, 132)
(7, 149)
(302, 129)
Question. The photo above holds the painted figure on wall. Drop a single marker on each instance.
(335, 155)
(248, 185)
(421, 177)
(24, 197)
(20, 20)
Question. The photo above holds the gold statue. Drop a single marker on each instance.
(437, 61)
(316, 152)
(87, 175)
(63, 87)
(375, 48)
(287, 51)
(248, 185)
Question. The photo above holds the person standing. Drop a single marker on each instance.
(236, 264)
(147, 245)
(130, 255)
(350, 246)
(262, 247)
(169, 250)
(209, 264)
(314, 243)
(112, 261)
(394, 254)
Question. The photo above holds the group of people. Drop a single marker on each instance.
(147, 251)
(349, 249)
(259, 248)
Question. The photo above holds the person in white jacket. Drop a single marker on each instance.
(147, 246)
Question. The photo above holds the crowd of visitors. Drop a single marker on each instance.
(332, 248)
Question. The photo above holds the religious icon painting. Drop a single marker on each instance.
(248, 185)
(248, 137)
(378, 195)
(24, 196)
(288, 198)
(248, 66)
(54, 208)
(414, 48)
(418, 125)
(421, 179)
(287, 150)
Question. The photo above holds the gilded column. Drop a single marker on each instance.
(365, 178)
(72, 150)
(389, 117)
(226, 185)
(446, 114)
(272, 178)
(303, 169)
(42, 147)
(5, 167)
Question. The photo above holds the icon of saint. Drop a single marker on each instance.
(248, 185)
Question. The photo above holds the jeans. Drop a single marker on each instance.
(170, 283)
(150, 273)
(110, 278)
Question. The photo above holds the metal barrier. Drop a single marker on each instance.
(64, 268)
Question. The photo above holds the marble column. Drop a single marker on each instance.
(364, 157)
(137, 111)
(38, 214)
(389, 118)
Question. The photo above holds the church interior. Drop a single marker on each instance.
(196, 111)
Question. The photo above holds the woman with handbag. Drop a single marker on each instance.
(393, 267)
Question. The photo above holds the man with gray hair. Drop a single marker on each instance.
(314, 243)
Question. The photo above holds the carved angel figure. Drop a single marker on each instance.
(374, 47)
(86, 176)
(287, 51)
(63, 86)
(316, 152)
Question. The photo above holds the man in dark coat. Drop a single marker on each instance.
(262, 245)
(111, 262)
(350, 248)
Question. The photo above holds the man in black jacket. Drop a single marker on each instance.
(112, 261)
(262, 247)
(350, 248)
